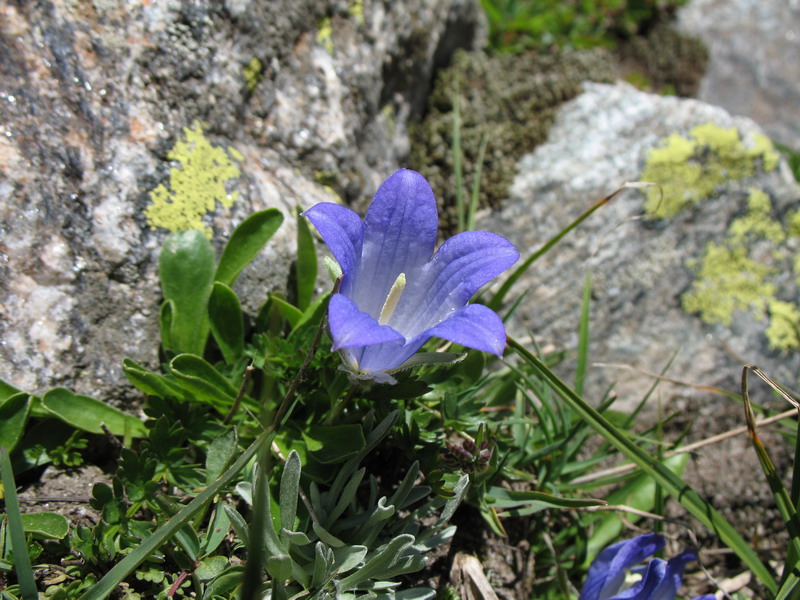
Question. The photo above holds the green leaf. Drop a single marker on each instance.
(211, 567)
(313, 316)
(13, 417)
(227, 322)
(7, 390)
(279, 566)
(188, 540)
(289, 312)
(306, 270)
(86, 414)
(334, 444)
(289, 491)
(225, 583)
(389, 561)
(149, 382)
(203, 381)
(186, 269)
(220, 453)
(246, 242)
(47, 525)
(333, 268)
(218, 529)
(238, 523)
(511, 500)
(165, 322)
(349, 557)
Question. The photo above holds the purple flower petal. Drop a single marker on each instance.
(653, 581)
(607, 571)
(474, 326)
(350, 327)
(388, 356)
(399, 237)
(462, 265)
(343, 232)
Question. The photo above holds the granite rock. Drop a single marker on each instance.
(652, 252)
(306, 101)
(753, 68)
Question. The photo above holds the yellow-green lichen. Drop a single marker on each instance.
(356, 10)
(757, 223)
(325, 35)
(794, 223)
(253, 73)
(196, 184)
(689, 169)
(784, 325)
(763, 148)
(728, 280)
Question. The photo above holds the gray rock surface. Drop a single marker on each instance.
(753, 68)
(309, 99)
(642, 268)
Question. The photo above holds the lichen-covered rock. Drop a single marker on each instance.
(505, 102)
(121, 119)
(702, 266)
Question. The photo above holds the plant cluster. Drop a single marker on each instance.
(265, 470)
(519, 25)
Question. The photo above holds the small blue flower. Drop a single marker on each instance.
(659, 580)
(395, 292)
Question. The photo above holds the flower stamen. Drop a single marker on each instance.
(392, 299)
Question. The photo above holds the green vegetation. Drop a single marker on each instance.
(261, 468)
(518, 25)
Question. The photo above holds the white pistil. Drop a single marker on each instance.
(392, 299)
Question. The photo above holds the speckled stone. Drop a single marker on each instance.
(753, 67)
(93, 95)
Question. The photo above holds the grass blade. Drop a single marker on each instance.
(583, 335)
(476, 184)
(458, 174)
(22, 562)
(784, 502)
(671, 483)
(497, 300)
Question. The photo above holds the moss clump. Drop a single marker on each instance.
(196, 184)
(689, 169)
(509, 100)
(667, 60)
